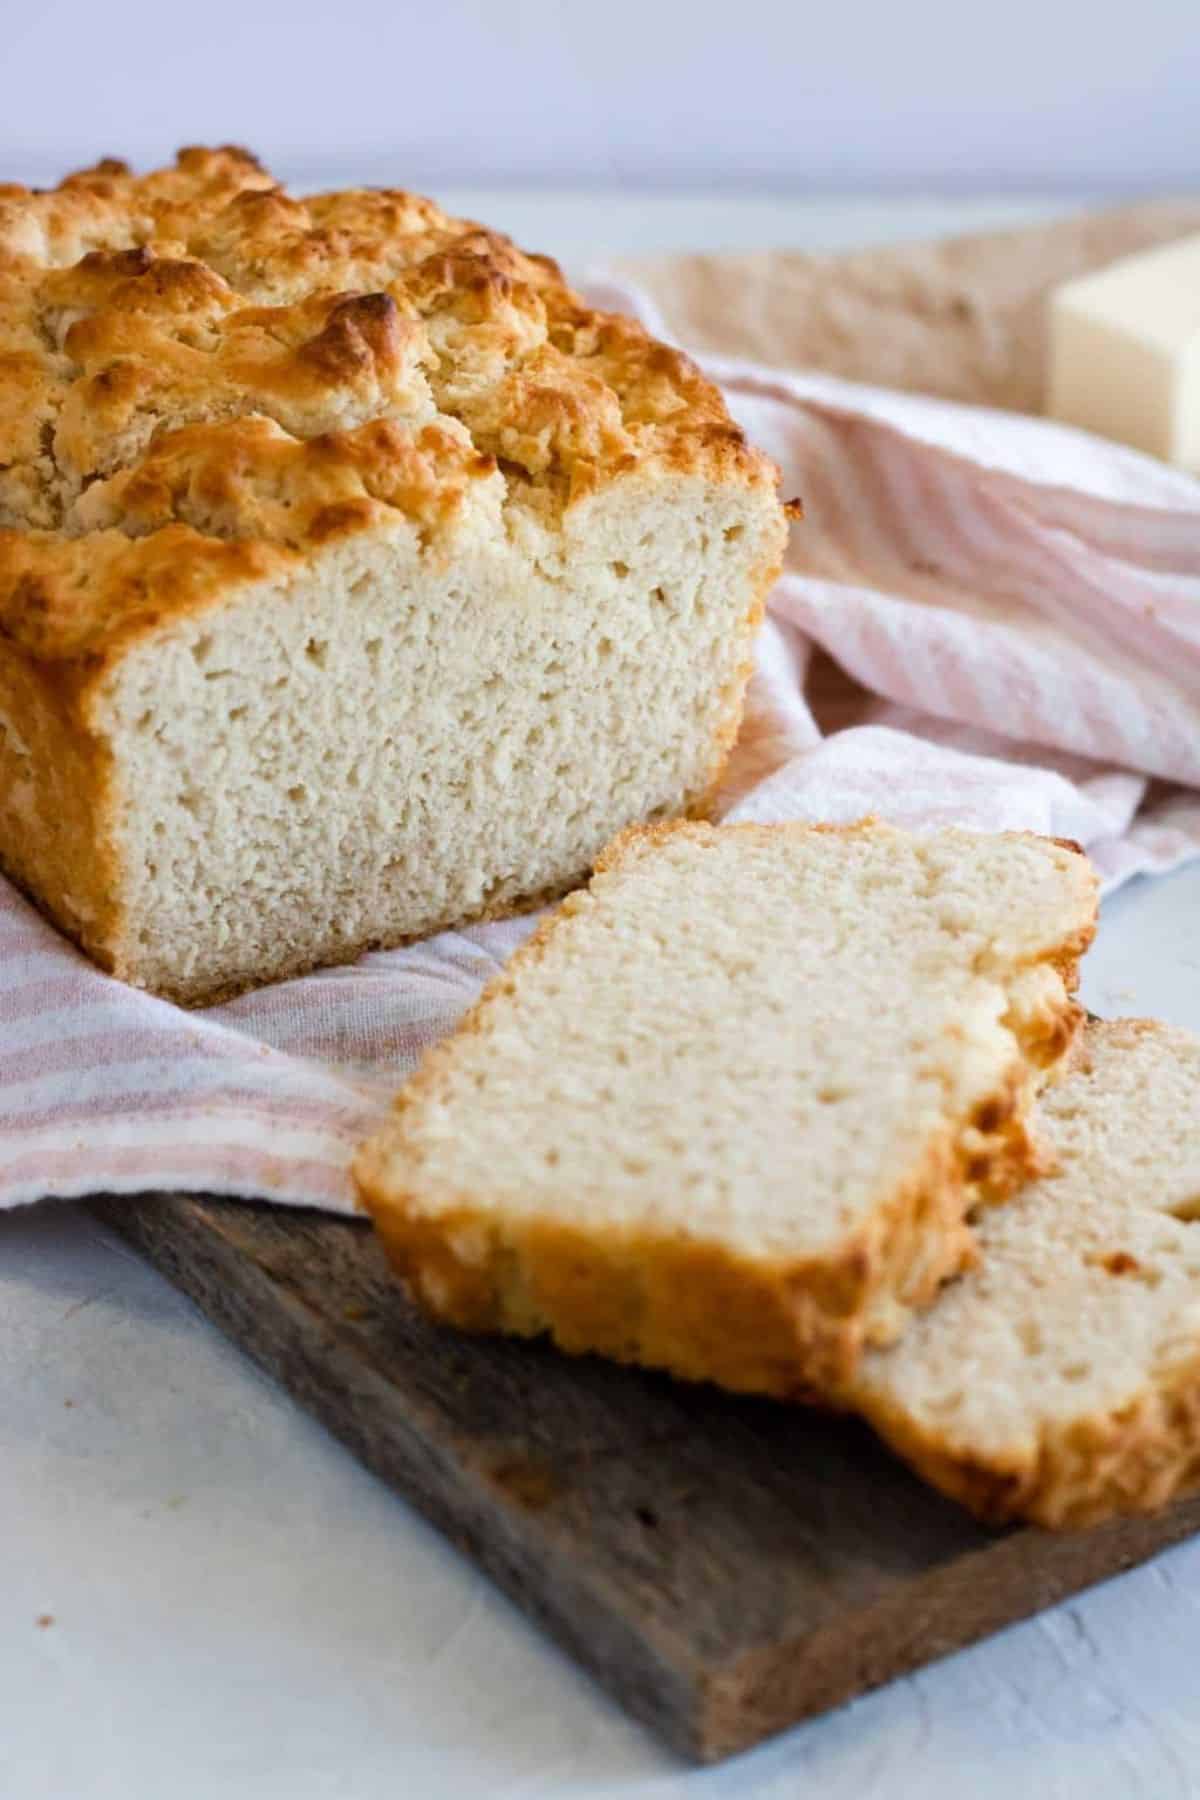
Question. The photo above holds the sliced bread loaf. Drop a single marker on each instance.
(1059, 1380)
(726, 1113)
(356, 578)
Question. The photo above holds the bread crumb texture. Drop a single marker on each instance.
(1059, 1379)
(339, 504)
(728, 1111)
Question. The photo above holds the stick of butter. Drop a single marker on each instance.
(1125, 352)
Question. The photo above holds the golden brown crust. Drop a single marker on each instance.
(195, 351)
(791, 1329)
(1135, 1459)
(52, 617)
(693, 1308)
(55, 794)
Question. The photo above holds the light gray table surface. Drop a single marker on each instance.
(202, 1596)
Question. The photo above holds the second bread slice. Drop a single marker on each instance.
(727, 1112)
(1059, 1381)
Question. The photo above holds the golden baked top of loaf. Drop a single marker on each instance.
(202, 378)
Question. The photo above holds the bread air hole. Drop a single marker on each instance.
(1121, 1265)
(989, 1116)
(1119, 1262)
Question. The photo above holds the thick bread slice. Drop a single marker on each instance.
(727, 1111)
(1059, 1381)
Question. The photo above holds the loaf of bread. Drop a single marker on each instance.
(728, 1111)
(1059, 1380)
(355, 579)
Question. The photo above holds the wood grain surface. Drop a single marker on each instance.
(723, 1566)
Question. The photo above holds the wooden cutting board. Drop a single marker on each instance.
(723, 1566)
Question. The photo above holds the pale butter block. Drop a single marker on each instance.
(1125, 352)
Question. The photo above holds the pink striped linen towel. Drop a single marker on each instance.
(984, 619)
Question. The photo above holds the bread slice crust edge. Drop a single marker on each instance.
(1131, 1458)
(791, 1328)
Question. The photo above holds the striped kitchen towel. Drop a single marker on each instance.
(984, 619)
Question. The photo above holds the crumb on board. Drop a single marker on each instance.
(43, 1620)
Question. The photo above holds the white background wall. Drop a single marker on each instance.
(1027, 95)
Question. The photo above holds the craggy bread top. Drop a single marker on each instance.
(202, 379)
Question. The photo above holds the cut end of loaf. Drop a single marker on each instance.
(388, 746)
(667, 1135)
(357, 580)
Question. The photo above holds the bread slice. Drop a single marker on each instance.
(356, 579)
(1059, 1380)
(726, 1113)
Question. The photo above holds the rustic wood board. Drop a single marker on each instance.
(725, 1567)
